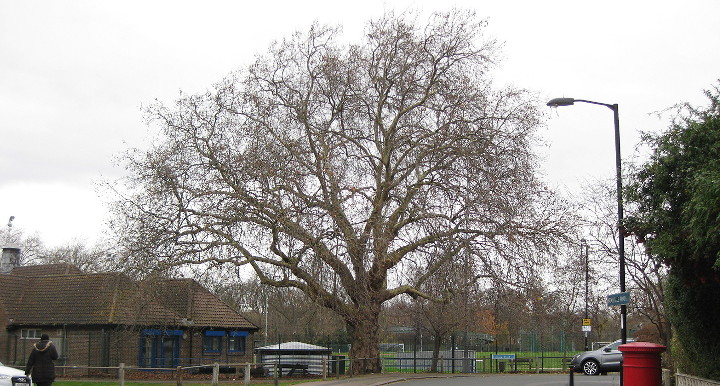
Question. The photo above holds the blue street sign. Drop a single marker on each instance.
(618, 299)
(503, 356)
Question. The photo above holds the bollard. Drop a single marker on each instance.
(121, 374)
(178, 376)
(216, 374)
(247, 374)
(275, 373)
(641, 364)
(572, 376)
(666, 377)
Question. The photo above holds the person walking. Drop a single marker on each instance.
(41, 362)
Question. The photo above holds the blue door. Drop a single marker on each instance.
(159, 348)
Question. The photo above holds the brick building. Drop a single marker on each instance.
(103, 319)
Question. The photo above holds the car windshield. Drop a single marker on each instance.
(613, 346)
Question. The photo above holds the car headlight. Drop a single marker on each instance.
(5, 376)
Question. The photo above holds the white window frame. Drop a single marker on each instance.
(30, 333)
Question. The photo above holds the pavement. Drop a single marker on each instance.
(470, 380)
(376, 379)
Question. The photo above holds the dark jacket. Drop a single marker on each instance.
(41, 362)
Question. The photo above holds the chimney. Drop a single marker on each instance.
(10, 259)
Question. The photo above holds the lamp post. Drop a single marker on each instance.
(585, 253)
(557, 102)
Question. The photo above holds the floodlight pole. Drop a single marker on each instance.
(618, 179)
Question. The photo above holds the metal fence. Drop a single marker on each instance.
(486, 363)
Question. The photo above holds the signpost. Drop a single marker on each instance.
(500, 360)
(618, 299)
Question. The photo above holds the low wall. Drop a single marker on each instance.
(689, 380)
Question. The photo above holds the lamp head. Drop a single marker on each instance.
(556, 102)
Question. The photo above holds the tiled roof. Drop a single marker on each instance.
(46, 270)
(101, 298)
(195, 303)
(109, 298)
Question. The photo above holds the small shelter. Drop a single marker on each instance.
(294, 358)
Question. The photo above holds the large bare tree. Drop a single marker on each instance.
(352, 172)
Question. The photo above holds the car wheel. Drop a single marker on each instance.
(591, 367)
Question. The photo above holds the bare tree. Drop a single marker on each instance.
(96, 258)
(335, 169)
(453, 283)
(646, 275)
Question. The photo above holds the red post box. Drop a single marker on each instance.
(641, 364)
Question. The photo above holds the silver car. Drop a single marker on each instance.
(13, 377)
(605, 359)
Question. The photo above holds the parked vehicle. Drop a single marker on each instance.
(605, 359)
(13, 377)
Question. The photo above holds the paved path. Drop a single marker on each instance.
(467, 380)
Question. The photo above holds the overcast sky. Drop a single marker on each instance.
(74, 76)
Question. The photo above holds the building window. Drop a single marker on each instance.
(29, 334)
(236, 342)
(213, 341)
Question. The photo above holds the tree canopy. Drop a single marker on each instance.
(677, 193)
(675, 202)
(352, 172)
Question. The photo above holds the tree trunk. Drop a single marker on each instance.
(436, 353)
(365, 350)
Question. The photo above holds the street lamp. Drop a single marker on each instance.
(618, 173)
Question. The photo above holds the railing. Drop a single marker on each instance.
(478, 364)
(689, 380)
(229, 371)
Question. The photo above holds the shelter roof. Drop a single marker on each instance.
(293, 346)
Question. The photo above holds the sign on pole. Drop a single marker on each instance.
(587, 322)
(618, 299)
(503, 356)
